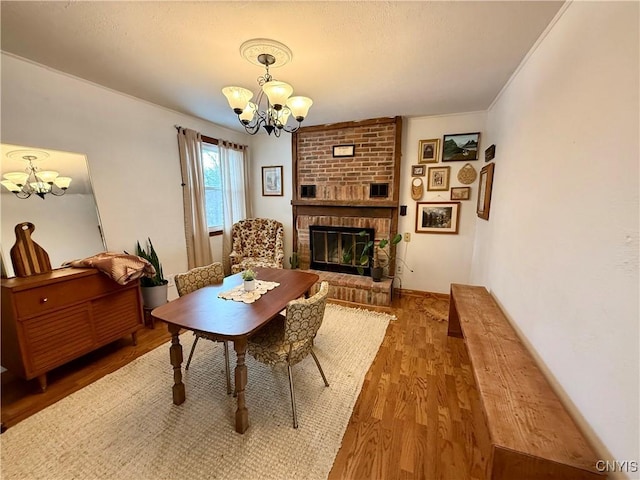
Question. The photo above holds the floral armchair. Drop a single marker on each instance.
(257, 242)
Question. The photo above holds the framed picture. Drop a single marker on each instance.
(437, 217)
(460, 147)
(484, 192)
(417, 170)
(460, 193)
(272, 181)
(438, 178)
(490, 153)
(344, 150)
(429, 151)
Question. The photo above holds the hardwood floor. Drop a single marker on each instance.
(412, 420)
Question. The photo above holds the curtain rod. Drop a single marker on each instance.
(216, 141)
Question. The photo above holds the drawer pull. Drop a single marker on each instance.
(44, 300)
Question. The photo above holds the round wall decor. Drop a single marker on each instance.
(417, 189)
(467, 174)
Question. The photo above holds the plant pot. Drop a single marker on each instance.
(249, 285)
(376, 274)
(153, 297)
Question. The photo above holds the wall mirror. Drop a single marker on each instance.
(67, 226)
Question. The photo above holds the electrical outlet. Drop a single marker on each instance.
(407, 237)
(171, 280)
(399, 268)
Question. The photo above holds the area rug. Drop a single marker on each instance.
(126, 426)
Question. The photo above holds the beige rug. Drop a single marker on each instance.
(125, 425)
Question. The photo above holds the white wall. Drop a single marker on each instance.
(271, 151)
(437, 260)
(560, 251)
(131, 147)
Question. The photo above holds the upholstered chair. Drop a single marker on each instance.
(288, 339)
(257, 242)
(191, 281)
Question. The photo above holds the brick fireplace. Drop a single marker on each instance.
(353, 192)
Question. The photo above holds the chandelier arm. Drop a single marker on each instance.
(292, 129)
(22, 194)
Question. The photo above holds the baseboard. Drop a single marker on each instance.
(400, 292)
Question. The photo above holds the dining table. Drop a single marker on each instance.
(230, 319)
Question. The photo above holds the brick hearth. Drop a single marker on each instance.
(355, 288)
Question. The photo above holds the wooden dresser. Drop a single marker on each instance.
(52, 318)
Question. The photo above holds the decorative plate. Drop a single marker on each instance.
(467, 174)
(417, 189)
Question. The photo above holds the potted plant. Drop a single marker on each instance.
(249, 277)
(154, 289)
(382, 256)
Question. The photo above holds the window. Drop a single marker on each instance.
(213, 186)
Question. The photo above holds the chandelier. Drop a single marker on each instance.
(274, 104)
(34, 181)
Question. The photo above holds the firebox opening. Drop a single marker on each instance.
(328, 244)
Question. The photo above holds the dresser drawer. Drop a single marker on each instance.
(47, 298)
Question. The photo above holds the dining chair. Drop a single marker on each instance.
(288, 339)
(191, 281)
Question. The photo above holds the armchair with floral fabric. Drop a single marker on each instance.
(257, 242)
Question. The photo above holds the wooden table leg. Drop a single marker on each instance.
(175, 354)
(242, 414)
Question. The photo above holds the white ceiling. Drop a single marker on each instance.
(356, 60)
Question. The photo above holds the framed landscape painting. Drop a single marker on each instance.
(437, 217)
(460, 147)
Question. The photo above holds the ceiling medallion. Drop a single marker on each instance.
(36, 155)
(252, 49)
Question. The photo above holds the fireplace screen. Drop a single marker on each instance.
(328, 245)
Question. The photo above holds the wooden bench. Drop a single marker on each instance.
(528, 434)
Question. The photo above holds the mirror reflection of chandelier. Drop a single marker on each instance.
(34, 181)
(278, 105)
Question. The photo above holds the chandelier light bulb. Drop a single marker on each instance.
(281, 117)
(299, 107)
(47, 176)
(17, 178)
(237, 97)
(248, 113)
(12, 187)
(277, 93)
(62, 182)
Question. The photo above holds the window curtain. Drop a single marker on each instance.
(236, 199)
(195, 216)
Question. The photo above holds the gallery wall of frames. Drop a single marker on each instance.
(432, 173)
